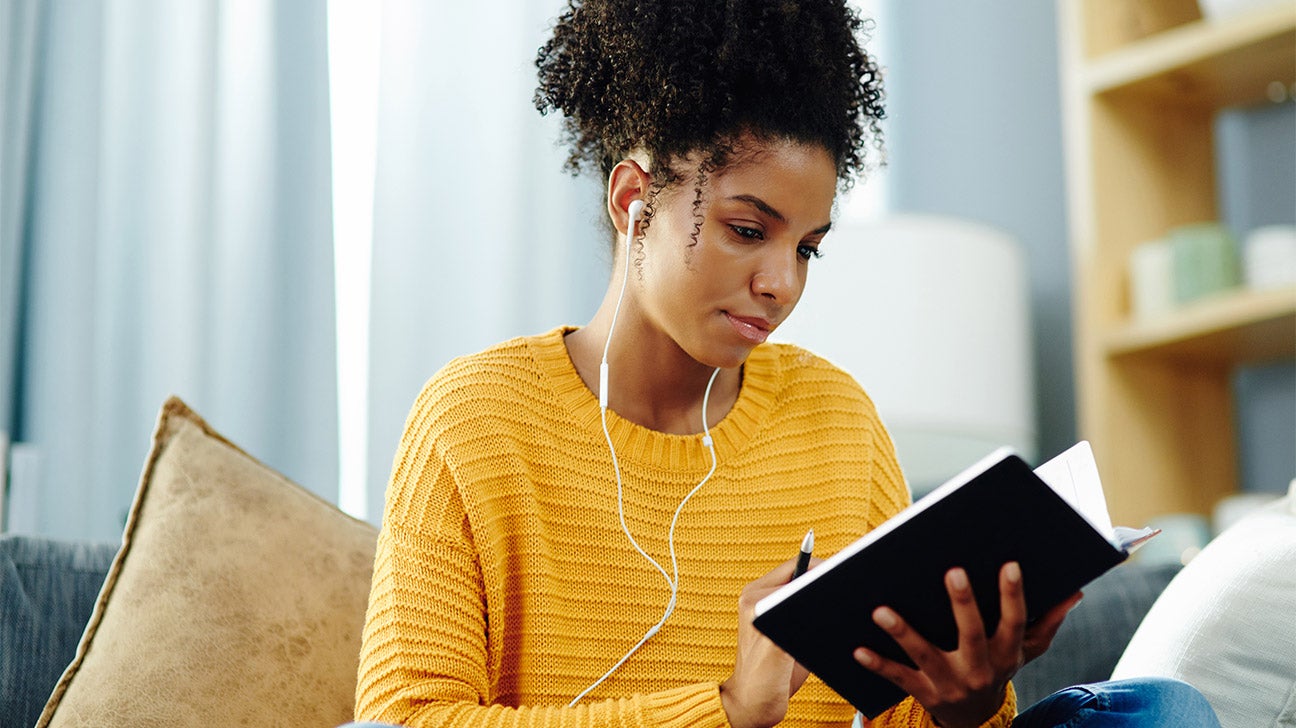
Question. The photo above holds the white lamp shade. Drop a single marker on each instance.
(930, 315)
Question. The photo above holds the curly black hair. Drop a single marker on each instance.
(680, 77)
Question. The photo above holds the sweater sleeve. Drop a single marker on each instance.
(424, 656)
(910, 714)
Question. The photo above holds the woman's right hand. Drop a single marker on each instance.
(764, 677)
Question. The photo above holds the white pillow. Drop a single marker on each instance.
(1226, 624)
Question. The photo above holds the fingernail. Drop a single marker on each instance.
(865, 658)
(958, 579)
(1013, 572)
(885, 618)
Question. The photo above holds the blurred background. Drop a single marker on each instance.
(292, 213)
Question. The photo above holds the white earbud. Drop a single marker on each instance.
(635, 211)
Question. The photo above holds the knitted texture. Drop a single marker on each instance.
(504, 585)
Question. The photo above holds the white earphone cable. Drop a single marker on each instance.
(672, 579)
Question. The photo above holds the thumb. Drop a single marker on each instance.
(798, 678)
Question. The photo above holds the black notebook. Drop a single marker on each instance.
(1052, 521)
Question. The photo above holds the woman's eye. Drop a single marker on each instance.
(746, 232)
(809, 251)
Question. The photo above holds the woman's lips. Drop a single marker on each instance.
(755, 330)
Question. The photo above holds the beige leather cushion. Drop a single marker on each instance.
(237, 598)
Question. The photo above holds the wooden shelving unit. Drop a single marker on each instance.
(1142, 84)
(1225, 331)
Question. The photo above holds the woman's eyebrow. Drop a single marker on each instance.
(765, 207)
(761, 205)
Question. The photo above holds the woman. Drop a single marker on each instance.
(578, 523)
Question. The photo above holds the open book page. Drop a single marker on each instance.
(1073, 474)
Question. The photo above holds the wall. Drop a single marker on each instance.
(975, 132)
(1256, 150)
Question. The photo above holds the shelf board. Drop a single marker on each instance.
(1219, 63)
(1227, 329)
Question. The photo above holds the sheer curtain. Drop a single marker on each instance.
(17, 77)
(173, 236)
(479, 235)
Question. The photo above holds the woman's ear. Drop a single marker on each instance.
(627, 182)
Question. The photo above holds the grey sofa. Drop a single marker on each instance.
(1095, 634)
(48, 589)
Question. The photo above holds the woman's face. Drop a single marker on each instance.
(763, 218)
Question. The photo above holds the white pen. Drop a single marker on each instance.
(803, 558)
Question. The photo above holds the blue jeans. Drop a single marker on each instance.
(1146, 702)
(1136, 703)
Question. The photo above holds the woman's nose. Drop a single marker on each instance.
(778, 278)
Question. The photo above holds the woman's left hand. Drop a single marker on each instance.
(967, 687)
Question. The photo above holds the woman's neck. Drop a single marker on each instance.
(652, 382)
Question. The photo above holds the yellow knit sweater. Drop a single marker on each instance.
(504, 585)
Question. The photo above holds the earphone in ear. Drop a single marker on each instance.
(635, 211)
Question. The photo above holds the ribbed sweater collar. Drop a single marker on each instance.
(761, 376)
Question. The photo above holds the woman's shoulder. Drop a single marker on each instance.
(801, 371)
(508, 372)
(494, 361)
(506, 361)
